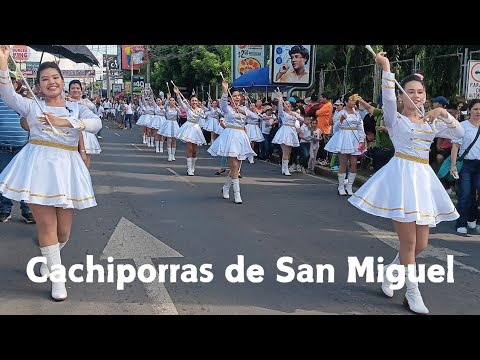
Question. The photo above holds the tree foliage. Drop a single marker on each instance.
(189, 66)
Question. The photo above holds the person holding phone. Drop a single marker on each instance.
(299, 57)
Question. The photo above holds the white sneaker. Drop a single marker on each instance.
(462, 230)
(472, 224)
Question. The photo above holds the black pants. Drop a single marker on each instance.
(380, 156)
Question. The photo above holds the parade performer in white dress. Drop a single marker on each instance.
(170, 127)
(190, 132)
(48, 173)
(142, 120)
(157, 124)
(213, 118)
(233, 142)
(406, 189)
(90, 142)
(148, 110)
(287, 135)
(253, 128)
(348, 141)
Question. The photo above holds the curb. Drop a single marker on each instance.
(325, 171)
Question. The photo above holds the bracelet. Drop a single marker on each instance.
(82, 150)
(452, 166)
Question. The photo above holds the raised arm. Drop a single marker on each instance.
(179, 99)
(388, 92)
(224, 100)
(280, 105)
(13, 100)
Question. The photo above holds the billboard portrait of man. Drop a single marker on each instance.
(291, 64)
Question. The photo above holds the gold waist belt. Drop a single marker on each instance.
(348, 129)
(234, 127)
(194, 122)
(288, 125)
(53, 144)
(412, 158)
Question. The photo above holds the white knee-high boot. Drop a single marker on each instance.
(226, 187)
(169, 150)
(144, 138)
(157, 144)
(161, 146)
(413, 299)
(285, 170)
(341, 184)
(44, 268)
(173, 153)
(194, 160)
(351, 179)
(236, 191)
(189, 167)
(52, 253)
(386, 283)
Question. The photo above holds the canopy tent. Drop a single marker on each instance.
(257, 80)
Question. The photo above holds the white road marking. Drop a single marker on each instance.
(181, 177)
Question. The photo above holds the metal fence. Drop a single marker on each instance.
(448, 76)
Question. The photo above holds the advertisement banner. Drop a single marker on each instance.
(20, 52)
(110, 61)
(292, 65)
(246, 58)
(138, 84)
(133, 54)
(32, 72)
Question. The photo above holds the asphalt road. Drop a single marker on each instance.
(151, 213)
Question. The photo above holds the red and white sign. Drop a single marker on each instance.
(473, 88)
(20, 52)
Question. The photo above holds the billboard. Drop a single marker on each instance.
(292, 65)
(138, 84)
(110, 61)
(135, 55)
(246, 58)
(20, 52)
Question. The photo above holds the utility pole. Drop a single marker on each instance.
(107, 70)
(147, 47)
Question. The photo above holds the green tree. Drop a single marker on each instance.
(189, 66)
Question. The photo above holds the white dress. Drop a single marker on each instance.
(213, 116)
(253, 128)
(233, 140)
(158, 118)
(92, 146)
(170, 126)
(90, 141)
(287, 134)
(406, 189)
(191, 131)
(347, 135)
(49, 169)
